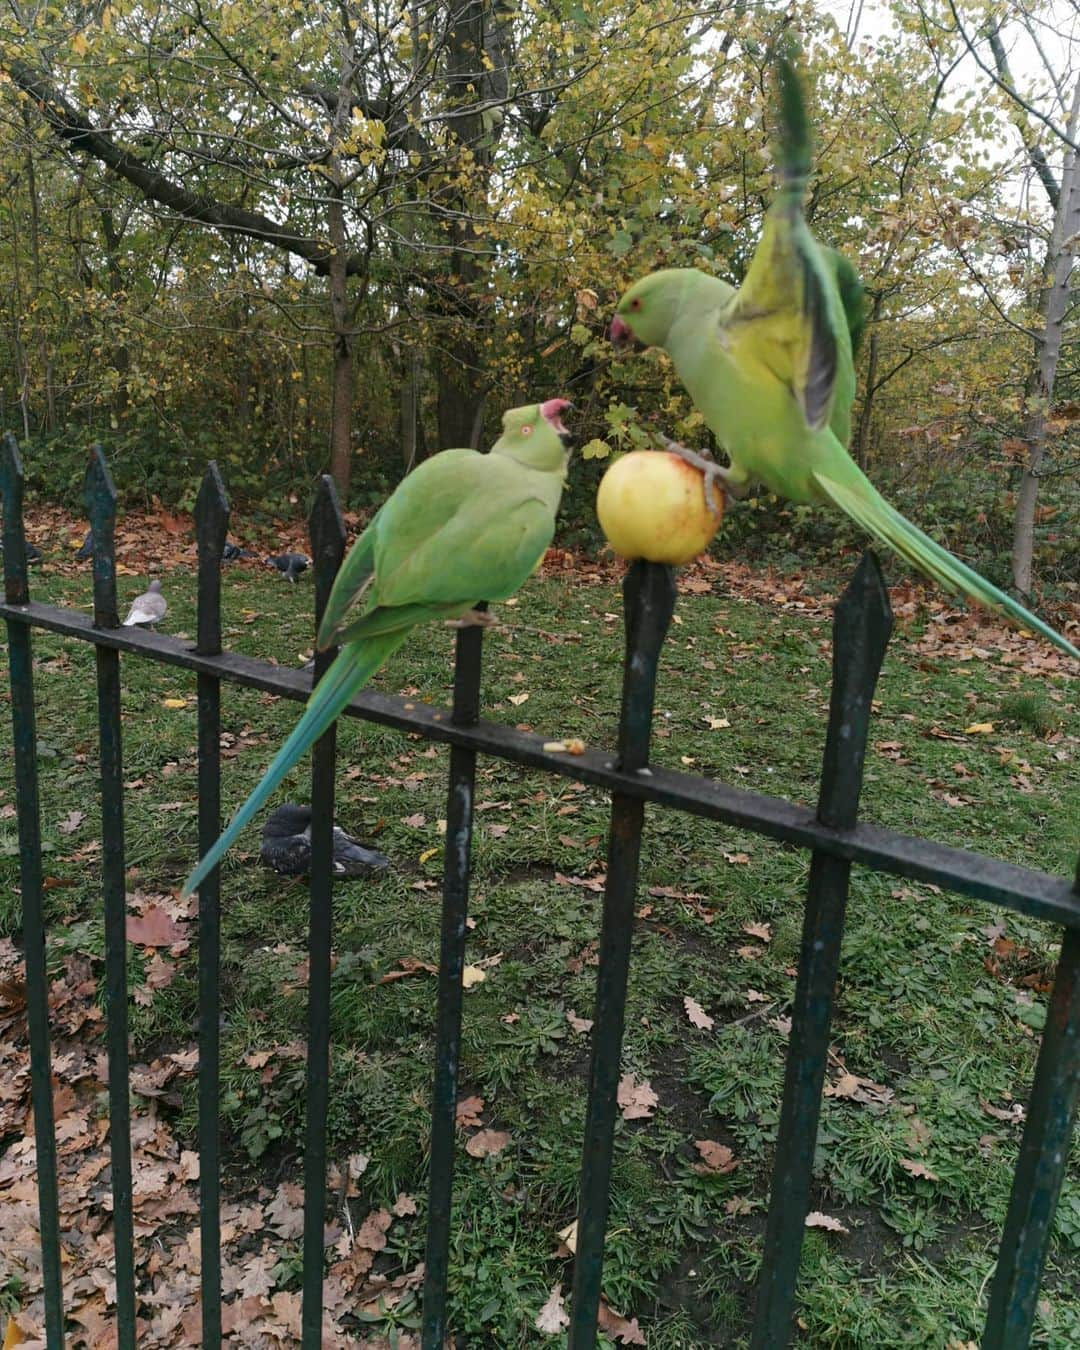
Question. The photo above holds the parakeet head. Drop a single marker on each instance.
(650, 307)
(535, 435)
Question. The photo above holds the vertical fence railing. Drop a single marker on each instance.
(211, 529)
(21, 662)
(1044, 1152)
(327, 548)
(453, 931)
(861, 632)
(648, 604)
(101, 508)
(861, 629)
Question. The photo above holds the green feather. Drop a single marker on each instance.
(463, 527)
(867, 506)
(795, 149)
(351, 670)
(771, 369)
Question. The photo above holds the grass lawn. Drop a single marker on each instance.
(940, 1000)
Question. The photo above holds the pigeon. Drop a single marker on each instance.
(231, 552)
(290, 565)
(33, 555)
(86, 549)
(150, 607)
(286, 846)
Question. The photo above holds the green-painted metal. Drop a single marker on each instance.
(455, 909)
(100, 496)
(21, 670)
(648, 603)
(327, 549)
(1040, 1168)
(861, 629)
(211, 528)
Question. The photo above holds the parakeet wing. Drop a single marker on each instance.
(463, 527)
(781, 318)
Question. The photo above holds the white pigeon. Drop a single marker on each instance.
(150, 607)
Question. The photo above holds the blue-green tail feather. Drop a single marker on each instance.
(353, 668)
(888, 526)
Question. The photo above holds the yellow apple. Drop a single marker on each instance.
(651, 504)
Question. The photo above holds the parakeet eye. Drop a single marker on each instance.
(636, 302)
(526, 431)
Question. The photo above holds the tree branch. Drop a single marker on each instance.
(74, 128)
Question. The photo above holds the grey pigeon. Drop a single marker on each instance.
(33, 555)
(231, 552)
(286, 846)
(150, 607)
(86, 549)
(290, 565)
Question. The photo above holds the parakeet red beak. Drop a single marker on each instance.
(620, 334)
(552, 411)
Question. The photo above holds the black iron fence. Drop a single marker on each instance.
(831, 832)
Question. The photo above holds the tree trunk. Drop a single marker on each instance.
(343, 369)
(119, 355)
(860, 441)
(40, 336)
(1053, 304)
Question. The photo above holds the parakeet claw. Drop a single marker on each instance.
(713, 472)
(472, 618)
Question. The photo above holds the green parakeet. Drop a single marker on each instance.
(770, 368)
(461, 528)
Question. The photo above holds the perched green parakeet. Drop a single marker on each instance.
(770, 368)
(461, 528)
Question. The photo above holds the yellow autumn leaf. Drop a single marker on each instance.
(472, 975)
(174, 702)
(14, 1335)
(979, 729)
(428, 853)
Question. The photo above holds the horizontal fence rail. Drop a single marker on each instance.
(1026, 890)
(831, 833)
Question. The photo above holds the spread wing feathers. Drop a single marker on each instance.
(350, 671)
(864, 504)
(781, 317)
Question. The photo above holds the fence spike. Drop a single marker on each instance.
(862, 625)
(100, 497)
(326, 526)
(211, 527)
(16, 572)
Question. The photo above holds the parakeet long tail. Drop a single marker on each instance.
(353, 668)
(864, 504)
(795, 151)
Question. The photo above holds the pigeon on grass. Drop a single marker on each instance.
(33, 554)
(286, 846)
(148, 608)
(290, 565)
(232, 551)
